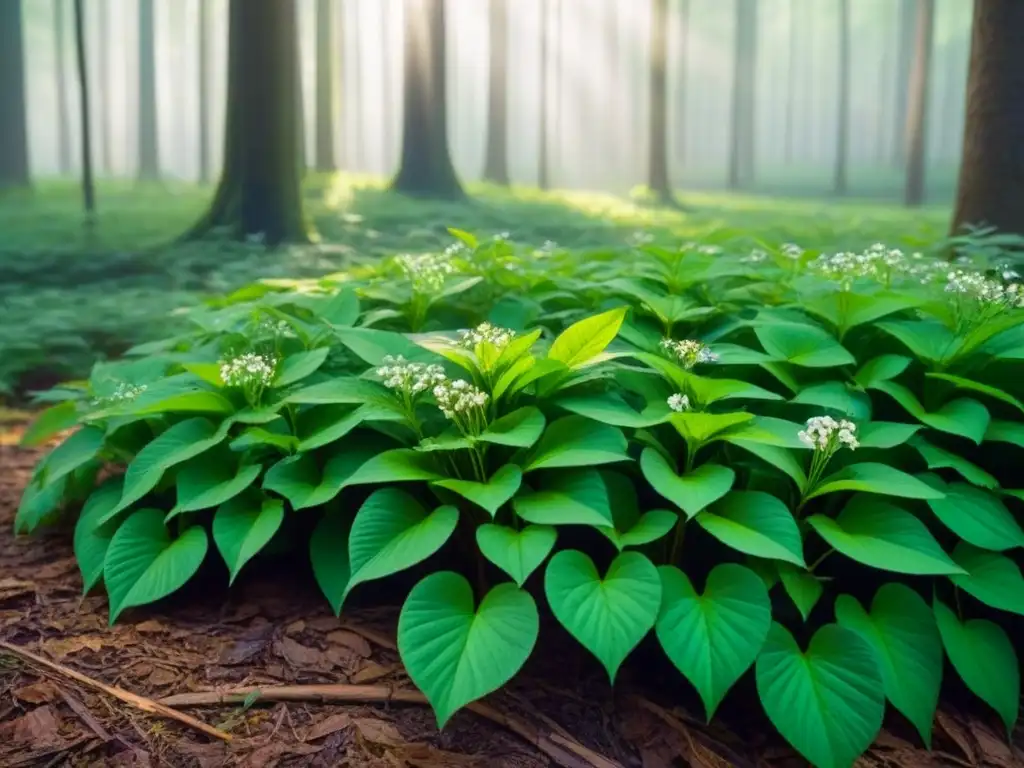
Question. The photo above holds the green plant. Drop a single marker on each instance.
(776, 460)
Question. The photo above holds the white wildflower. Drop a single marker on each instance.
(679, 403)
(709, 250)
(689, 352)
(485, 332)
(640, 237)
(248, 371)
(502, 237)
(426, 271)
(409, 378)
(984, 290)
(792, 251)
(123, 393)
(463, 403)
(756, 257)
(827, 435)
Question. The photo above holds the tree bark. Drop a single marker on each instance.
(496, 158)
(991, 187)
(917, 105)
(426, 168)
(259, 194)
(88, 188)
(63, 112)
(204, 91)
(843, 96)
(741, 156)
(13, 109)
(657, 161)
(326, 93)
(542, 128)
(906, 37)
(149, 147)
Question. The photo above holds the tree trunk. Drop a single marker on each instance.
(741, 156)
(917, 105)
(326, 93)
(103, 84)
(60, 65)
(88, 189)
(991, 188)
(259, 194)
(386, 100)
(793, 54)
(683, 48)
(542, 119)
(204, 91)
(496, 159)
(905, 42)
(843, 95)
(657, 161)
(149, 152)
(426, 165)
(13, 113)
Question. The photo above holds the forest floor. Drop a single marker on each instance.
(273, 630)
(71, 294)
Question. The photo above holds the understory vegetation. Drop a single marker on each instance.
(795, 461)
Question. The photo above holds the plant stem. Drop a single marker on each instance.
(677, 541)
(821, 559)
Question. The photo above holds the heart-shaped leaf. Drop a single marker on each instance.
(583, 341)
(576, 497)
(574, 441)
(490, 495)
(802, 586)
(211, 481)
(328, 553)
(519, 429)
(940, 458)
(977, 516)
(992, 578)
(456, 652)
(79, 449)
(875, 478)
(901, 631)
(300, 365)
(884, 536)
(827, 701)
(398, 465)
(755, 523)
(802, 344)
(144, 563)
(517, 553)
(92, 538)
(691, 492)
(392, 532)
(243, 526)
(983, 656)
(608, 616)
(714, 637)
(650, 526)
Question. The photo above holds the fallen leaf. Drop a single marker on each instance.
(242, 651)
(327, 726)
(420, 755)
(36, 693)
(38, 728)
(150, 626)
(323, 623)
(992, 747)
(161, 677)
(373, 671)
(10, 588)
(295, 628)
(297, 654)
(351, 641)
(269, 755)
(377, 731)
(141, 669)
(956, 732)
(65, 646)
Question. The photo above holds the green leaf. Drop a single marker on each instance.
(574, 441)
(651, 526)
(519, 429)
(902, 634)
(983, 656)
(326, 424)
(210, 482)
(802, 586)
(691, 492)
(610, 408)
(1005, 432)
(929, 340)
(881, 535)
(243, 526)
(49, 423)
(457, 652)
(713, 638)
(92, 538)
(502, 486)
(517, 553)
(802, 344)
(882, 368)
(372, 346)
(699, 427)
(344, 391)
(328, 553)
(583, 341)
(183, 441)
(885, 434)
(757, 524)
(940, 458)
(79, 449)
(397, 465)
(300, 365)
(978, 517)
(144, 564)
(779, 458)
(963, 417)
(391, 532)
(257, 437)
(871, 477)
(577, 497)
(836, 396)
(340, 309)
(38, 503)
(300, 479)
(827, 701)
(184, 393)
(608, 616)
(992, 578)
(984, 389)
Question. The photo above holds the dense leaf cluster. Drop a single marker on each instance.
(794, 462)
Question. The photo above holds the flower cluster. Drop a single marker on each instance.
(547, 248)
(825, 434)
(877, 263)
(410, 378)
(984, 290)
(679, 403)
(792, 251)
(689, 352)
(639, 238)
(123, 393)
(248, 371)
(756, 257)
(426, 271)
(456, 249)
(706, 250)
(463, 403)
(499, 337)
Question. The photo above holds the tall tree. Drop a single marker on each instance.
(657, 161)
(843, 97)
(259, 193)
(792, 61)
(60, 67)
(103, 83)
(203, 113)
(991, 188)
(13, 108)
(386, 99)
(905, 42)
(326, 90)
(917, 105)
(741, 155)
(88, 189)
(496, 158)
(545, 78)
(426, 167)
(681, 68)
(149, 147)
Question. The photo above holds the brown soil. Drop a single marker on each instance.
(271, 632)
